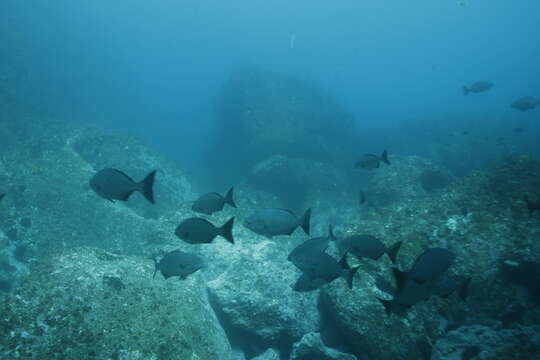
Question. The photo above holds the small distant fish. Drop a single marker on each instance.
(372, 161)
(113, 184)
(477, 87)
(310, 248)
(178, 263)
(272, 222)
(518, 129)
(470, 352)
(532, 205)
(362, 198)
(525, 103)
(431, 264)
(323, 269)
(369, 246)
(200, 231)
(2, 196)
(213, 202)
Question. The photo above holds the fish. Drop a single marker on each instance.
(525, 103)
(2, 196)
(362, 198)
(309, 248)
(271, 222)
(113, 184)
(431, 264)
(524, 273)
(532, 205)
(369, 246)
(409, 292)
(323, 269)
(201, 231)
(213, 202)
(372, 161)
(477, 87)
(178, 263)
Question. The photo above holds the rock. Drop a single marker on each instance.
(494, 343)
(255, 298)
(88, 303)
(269, 354)
(46, 178)
(272, 114)
(482, 219)
(299, 183)
(407, 179)
(311, 347)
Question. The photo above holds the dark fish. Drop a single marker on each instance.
(323, 269)
(532, 205)
(525, 103)
(200, 231)
(213, 202)
(305, 284)
(2, 196)
(178, 263)
(272, 222)
(310, 248)
(112, 184)
(362, 198)
(369, 246)
(372, 161)
(431, 264)
(470, 352)
(477, 87)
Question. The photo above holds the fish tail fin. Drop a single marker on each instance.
(305, 221)
(349, 276)
(229, 197)
(155, 267)
(384, 157)
(147, 186)
(331, 235)
(393, 250)
(464, 289)
(226, 230)
(465, 90)
(387, 305)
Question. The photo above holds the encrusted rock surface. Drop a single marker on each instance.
(88, 303)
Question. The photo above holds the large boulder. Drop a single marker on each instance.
(311, 346)
(255, 299)
(88, 303)
(262, 113)
(300, 183)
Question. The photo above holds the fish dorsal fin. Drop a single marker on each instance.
(287, 210)
(124, 174)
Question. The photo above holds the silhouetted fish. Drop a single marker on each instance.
(178, 263)
(271, 222)
(431, 264)
(525, 103)
(213, 202)
(532, 205)
(310, 248)
(323, 269)
(200, 231)
(112, 184)
(477, 87)
(2, 196)
(369, 246)
(372, 161)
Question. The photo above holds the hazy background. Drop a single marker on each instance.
(153, 68)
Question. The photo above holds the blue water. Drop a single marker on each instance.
(153, 68)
